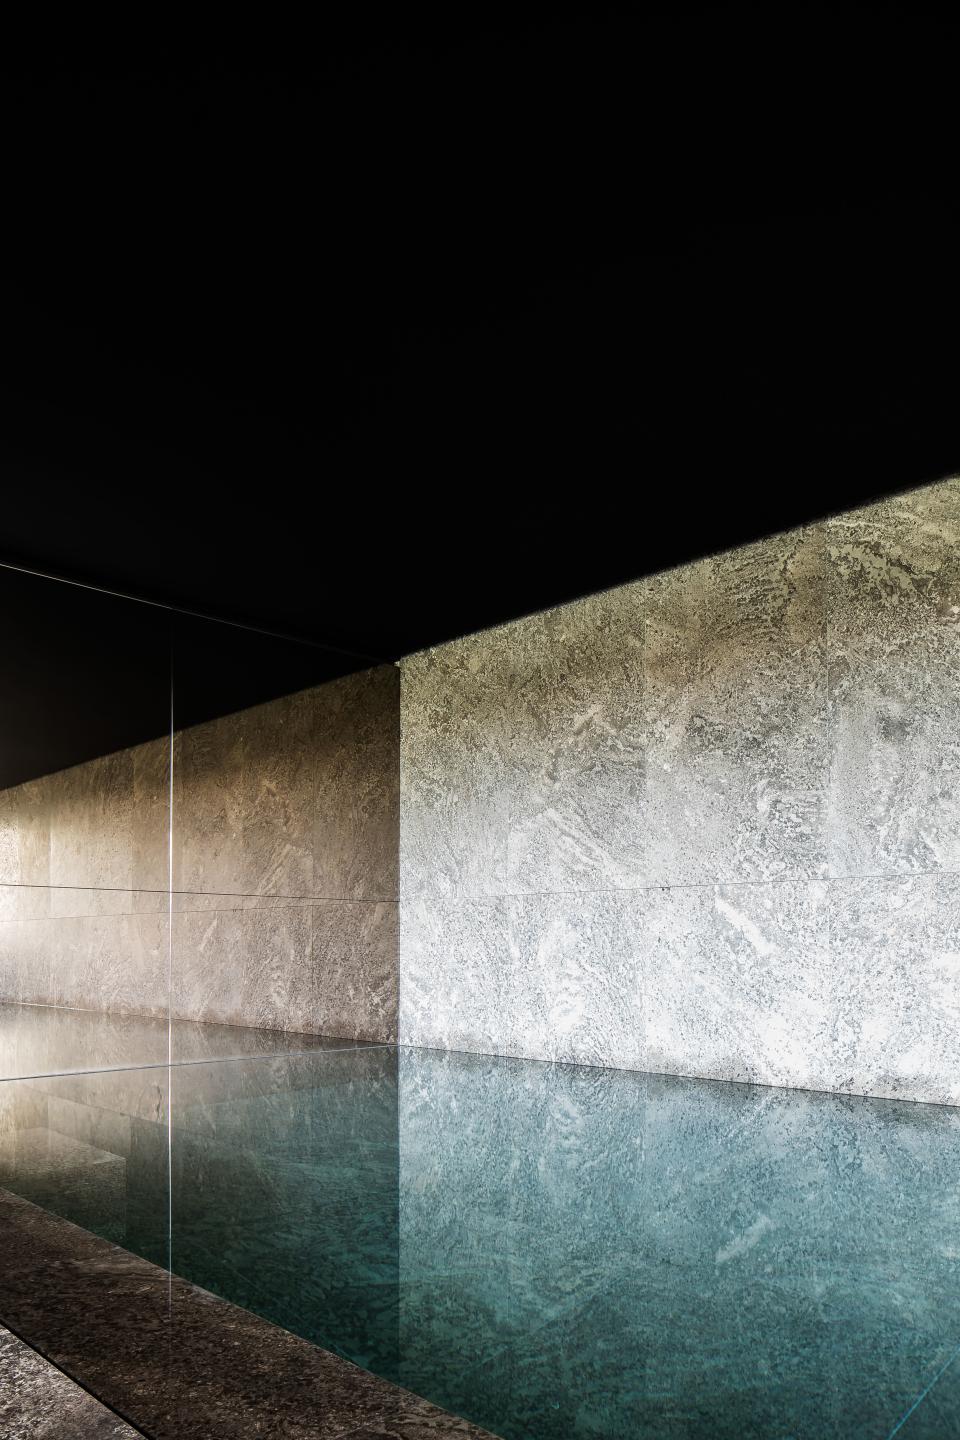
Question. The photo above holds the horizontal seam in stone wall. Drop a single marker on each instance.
(228, 894)
(679, 885)
(199, 910)
(287, 905)
(88, 915)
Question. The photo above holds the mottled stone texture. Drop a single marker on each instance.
(101, 826)
(39, 1402)
(84, 895)
(297, 797)
(328, 966)
(706, 823)
(284, 851)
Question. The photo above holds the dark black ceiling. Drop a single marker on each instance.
(388, 331)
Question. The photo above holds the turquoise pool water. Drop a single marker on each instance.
(551, 1251)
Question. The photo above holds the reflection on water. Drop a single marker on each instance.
(46, 1040)
(552, 1251)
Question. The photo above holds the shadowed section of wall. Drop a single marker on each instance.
(284, 850)
(706, 823)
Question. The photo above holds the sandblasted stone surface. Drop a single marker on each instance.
(706, 823)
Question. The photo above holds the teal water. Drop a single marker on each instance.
(551, 1251)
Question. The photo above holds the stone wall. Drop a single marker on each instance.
(707, 823)
(284, 858)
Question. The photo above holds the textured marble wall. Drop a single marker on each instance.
(284, 853)
(707, 823)
(84, 890)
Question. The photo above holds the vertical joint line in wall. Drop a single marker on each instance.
(826, 778)
(170, 878)
(170, 997)
(398, 891)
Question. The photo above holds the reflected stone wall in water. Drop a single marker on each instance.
(683, 1258)
(283, 1192)
(553, 1251)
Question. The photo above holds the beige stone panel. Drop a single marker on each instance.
(355, 962)
(356, 761)
(243, 801)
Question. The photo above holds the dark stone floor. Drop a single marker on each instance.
(179, 1362)
(39, 1402)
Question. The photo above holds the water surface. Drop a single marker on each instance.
(552, 1251)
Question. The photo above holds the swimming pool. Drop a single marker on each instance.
(550, 1251)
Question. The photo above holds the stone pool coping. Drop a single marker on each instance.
(179, 1363)
(39, 1402)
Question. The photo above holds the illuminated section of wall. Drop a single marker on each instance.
(707, 823)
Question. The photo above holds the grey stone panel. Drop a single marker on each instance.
(707, 823)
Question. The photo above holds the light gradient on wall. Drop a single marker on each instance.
(84, 887)
(707, 823)
(284, 849)
(285, 843)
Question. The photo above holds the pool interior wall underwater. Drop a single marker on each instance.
(707, 823)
